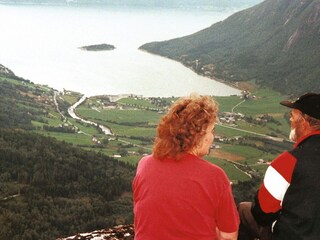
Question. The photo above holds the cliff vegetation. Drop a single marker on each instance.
(275, 43)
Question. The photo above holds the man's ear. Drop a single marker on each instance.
(306, 124)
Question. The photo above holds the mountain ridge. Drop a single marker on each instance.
(275, 43)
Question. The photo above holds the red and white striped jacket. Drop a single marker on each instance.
(290, 192)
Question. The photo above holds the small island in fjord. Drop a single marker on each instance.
(98, 47)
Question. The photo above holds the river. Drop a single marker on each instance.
(72, 113)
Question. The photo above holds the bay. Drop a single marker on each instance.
(41, 43)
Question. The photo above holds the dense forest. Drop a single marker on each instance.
(50, 188)
(275, 44)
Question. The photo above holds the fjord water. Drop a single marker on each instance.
(41, 43)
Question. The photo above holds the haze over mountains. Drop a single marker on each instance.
(147, 3)
(276, 43)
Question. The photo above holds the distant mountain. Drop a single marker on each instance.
(275, 43)
(147, 3)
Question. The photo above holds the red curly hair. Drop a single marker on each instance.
(182, 128)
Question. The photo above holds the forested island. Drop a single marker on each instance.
(98, 47)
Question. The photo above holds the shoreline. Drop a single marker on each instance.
(228, 83)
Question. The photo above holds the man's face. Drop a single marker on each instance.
(296, 121)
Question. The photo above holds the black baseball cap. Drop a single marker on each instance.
(308, 103)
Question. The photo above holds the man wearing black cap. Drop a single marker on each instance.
(287, 205)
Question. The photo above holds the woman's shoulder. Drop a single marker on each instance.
(145, 159)
(209, 173)
(215, 168)
(206, 165)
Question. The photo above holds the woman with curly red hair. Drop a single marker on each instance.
(178, 194)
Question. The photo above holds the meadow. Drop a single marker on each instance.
(133, 122)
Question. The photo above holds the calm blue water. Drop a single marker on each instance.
(40, 43)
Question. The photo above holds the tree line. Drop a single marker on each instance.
(60, 189)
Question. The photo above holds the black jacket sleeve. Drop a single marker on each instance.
(262, 218)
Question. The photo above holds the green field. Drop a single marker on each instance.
(262, 101)
(133, 122)
(234, 173)
(121, 116)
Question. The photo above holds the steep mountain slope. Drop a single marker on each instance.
(276, 43)
(50, 188)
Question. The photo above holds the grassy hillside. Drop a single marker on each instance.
(133, 121)
(51, 188)
(275, 43)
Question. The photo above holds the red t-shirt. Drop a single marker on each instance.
(184, 199)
